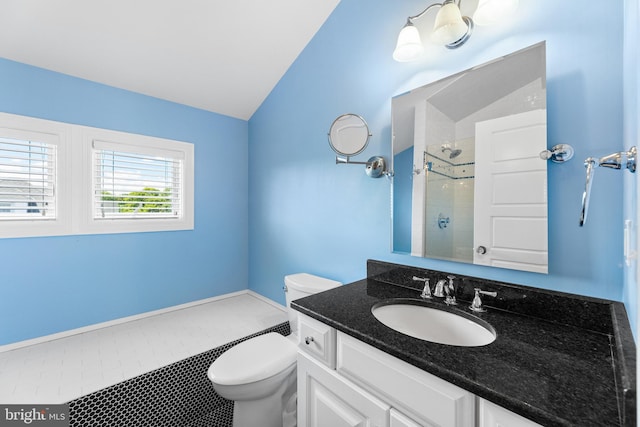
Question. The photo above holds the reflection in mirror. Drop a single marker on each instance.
(469, 185)
(349, 135)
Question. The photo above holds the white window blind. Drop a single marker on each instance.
(27, 179)
(133, 182)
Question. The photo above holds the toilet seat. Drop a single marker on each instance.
(253, 360)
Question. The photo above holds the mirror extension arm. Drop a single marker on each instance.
(376, 166)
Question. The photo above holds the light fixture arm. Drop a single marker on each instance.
(421, 14)
(451, 29)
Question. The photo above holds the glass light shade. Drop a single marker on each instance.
(449, 26)
(492, 11)
(409, 46)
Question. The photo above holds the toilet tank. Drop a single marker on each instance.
(301, 285)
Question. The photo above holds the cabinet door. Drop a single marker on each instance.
(398, 419)
(427, 398)
(492, 415)
(325, 399)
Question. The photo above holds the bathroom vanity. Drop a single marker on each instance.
(557, 359)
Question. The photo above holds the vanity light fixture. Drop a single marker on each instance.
(490, 12)
(451, 29)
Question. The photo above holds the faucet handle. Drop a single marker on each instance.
(426, 291)
(476, 304)
(452, 287)
(450, 292)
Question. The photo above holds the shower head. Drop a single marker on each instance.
(452, 153)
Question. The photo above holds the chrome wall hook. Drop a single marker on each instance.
(558, 154)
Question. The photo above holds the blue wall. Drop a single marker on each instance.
(308, 214)
(54, 284)
(277, 204)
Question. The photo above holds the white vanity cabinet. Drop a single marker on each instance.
(491, 415)
(318, 340)
(398, 419)
(326, 399)
(360, 385)
(343, 381)
(419, 395)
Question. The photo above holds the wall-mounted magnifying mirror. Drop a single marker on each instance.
(349, 135)
(467, 148)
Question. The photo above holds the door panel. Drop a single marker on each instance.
(510, 199)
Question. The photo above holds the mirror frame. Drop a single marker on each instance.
(339, 144)
(533, 99)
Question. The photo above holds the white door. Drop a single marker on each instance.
(510, 199)
(325, 399)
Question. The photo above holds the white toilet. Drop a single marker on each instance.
(259, 374)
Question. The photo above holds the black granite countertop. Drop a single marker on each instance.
(558, 359)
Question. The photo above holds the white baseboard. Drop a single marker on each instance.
(267, 300)
(64, 334)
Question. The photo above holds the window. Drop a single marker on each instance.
(58, 179)
(130, 184)
(27, 179)
(33, 175)
(136, 183)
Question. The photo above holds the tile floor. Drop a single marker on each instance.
(64, 369)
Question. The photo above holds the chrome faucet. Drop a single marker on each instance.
(476, 304)
(450, 292)
(426, 291)
(438, 291)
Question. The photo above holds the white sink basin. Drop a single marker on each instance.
(434, 325)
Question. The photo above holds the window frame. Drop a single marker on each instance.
(74, 180)
(59, 134)
(87, 224)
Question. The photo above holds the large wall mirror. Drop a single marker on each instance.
(469, 184)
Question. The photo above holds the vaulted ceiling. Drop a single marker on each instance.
(220, 56)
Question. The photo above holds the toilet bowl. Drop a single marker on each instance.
(259, 374)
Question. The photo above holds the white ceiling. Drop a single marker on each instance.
(221, 56)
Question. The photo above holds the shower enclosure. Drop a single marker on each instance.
(449, 180)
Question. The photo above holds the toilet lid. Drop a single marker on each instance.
(253, 360)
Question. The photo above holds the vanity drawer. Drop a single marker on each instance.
(410, 389)
(317, 339)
